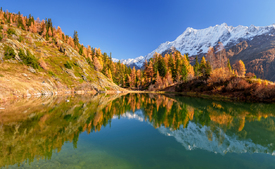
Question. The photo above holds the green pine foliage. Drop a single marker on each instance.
(28, 59)
(9, 52)
(208, 69)
(76, 40)
(161, 67)
(68, 65)
(80, 50)
(196, 67)
(11, 31)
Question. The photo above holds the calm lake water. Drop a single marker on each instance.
(136, 131)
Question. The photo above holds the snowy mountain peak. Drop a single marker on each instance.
(197, 41)
(129, 62)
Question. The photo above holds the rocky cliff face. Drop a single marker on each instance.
(60, 70)
(258, 55)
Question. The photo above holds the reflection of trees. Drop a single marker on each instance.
(37, 130)
(247, 121)
(43, 127)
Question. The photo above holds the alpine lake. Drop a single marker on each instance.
(136, 131)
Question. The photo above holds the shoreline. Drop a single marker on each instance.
(73, 92)
(59, 93)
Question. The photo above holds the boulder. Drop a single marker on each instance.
(31, 69)
(84, 78)
(62, 49)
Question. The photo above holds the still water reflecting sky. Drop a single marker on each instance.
(136, 131)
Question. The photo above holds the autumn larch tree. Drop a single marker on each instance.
(50, 33)
(133, 77)
(97, 64)
(158, 83)
(229, 65)
(241, 68)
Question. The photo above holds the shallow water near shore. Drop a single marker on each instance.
(136, 131)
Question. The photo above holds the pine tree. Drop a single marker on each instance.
(80, 50)
(171, 66)
(76, 40)
(196, 67)
(162, 66)
(208, 69)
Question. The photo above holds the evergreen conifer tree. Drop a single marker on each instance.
(196, 67)
(162, 66)
(208, 69)
(76, 40)
(80, 50)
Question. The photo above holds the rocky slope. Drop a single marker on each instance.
(60, 70)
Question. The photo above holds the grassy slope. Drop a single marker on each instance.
(54, 76)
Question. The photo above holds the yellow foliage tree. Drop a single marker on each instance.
(241, 68)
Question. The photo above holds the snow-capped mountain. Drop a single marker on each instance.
(198, 41)
(131, 62)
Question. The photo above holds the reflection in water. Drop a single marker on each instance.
(35, 129)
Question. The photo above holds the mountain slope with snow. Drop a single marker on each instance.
(197, 41)
(131, 62)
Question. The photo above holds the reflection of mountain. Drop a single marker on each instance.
(32, 129)
(202, 137)
(196, 136)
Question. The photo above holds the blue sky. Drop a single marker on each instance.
(129, 28)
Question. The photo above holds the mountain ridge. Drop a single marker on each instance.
(197, 41)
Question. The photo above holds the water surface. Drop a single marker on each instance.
(136, 131)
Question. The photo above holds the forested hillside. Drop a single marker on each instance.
(36, 58)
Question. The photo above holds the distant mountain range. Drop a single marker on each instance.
(137, 62)
(254, 45)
